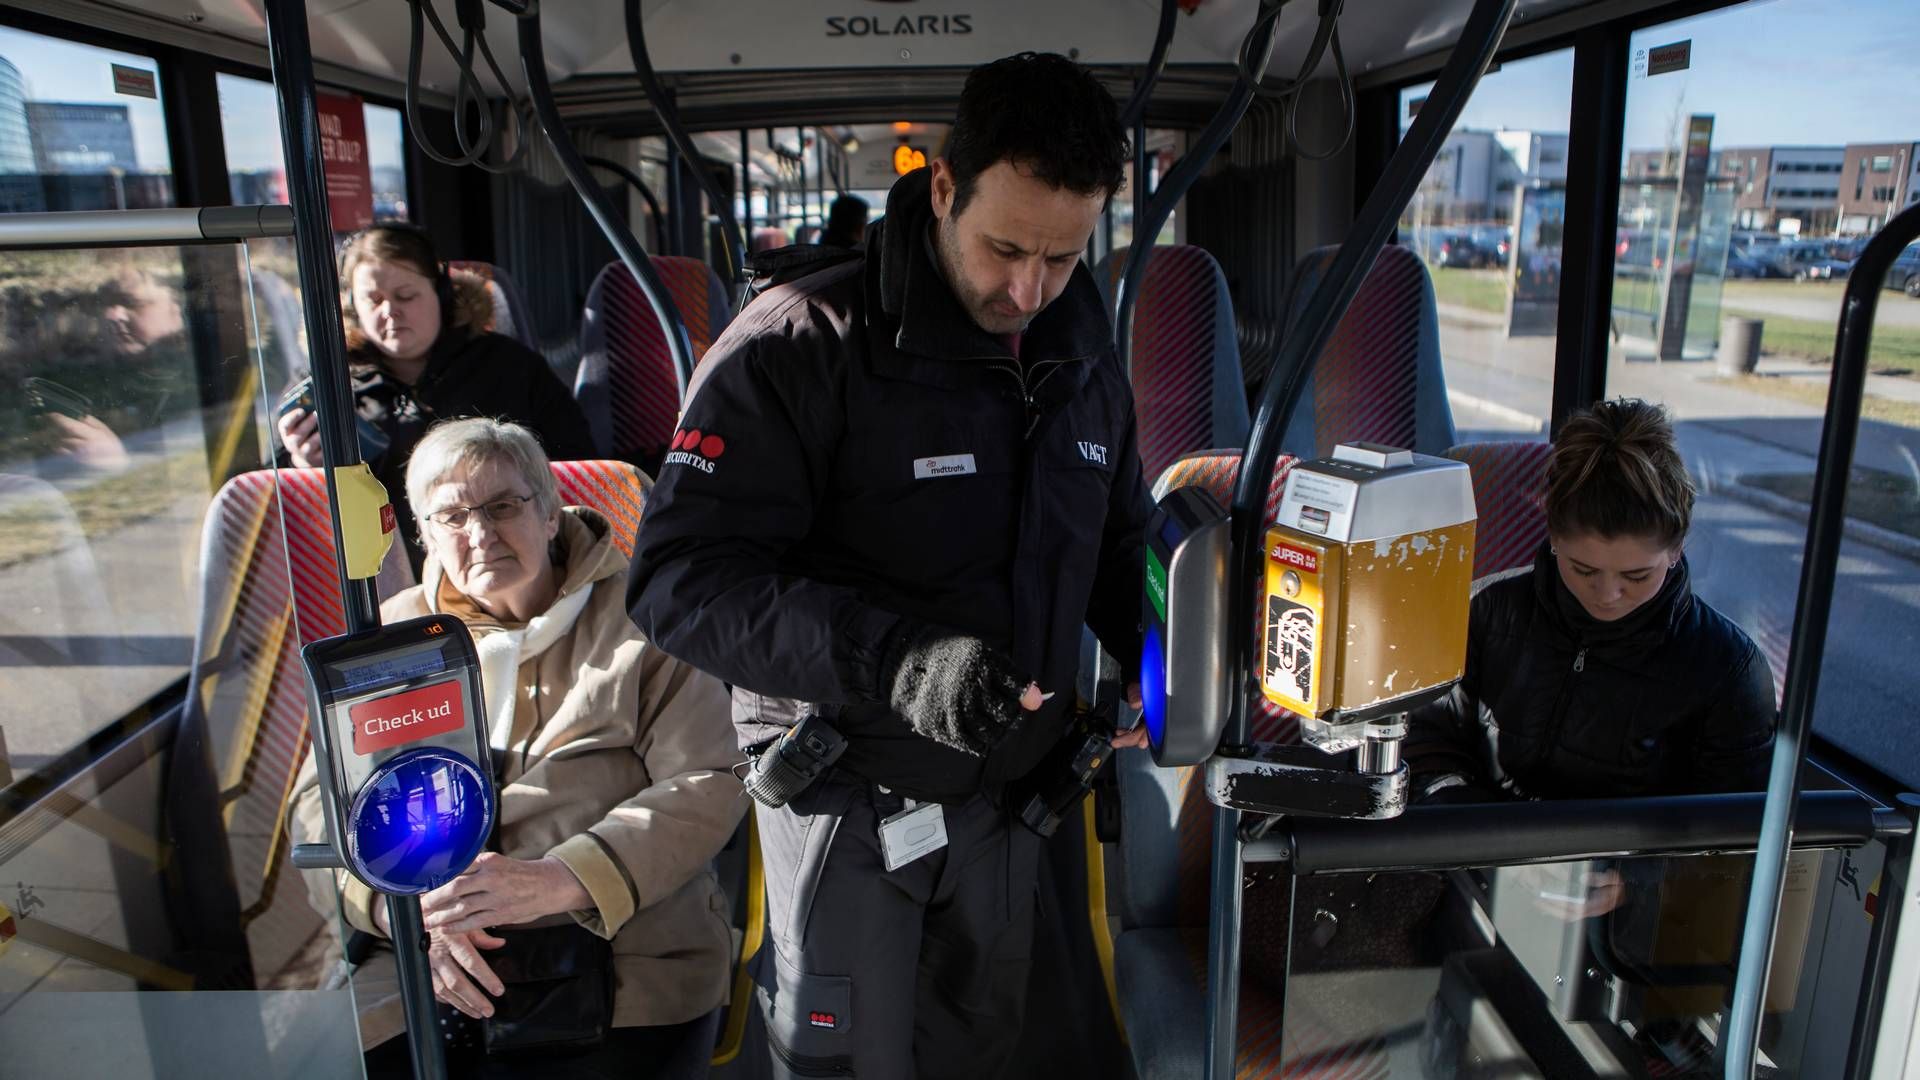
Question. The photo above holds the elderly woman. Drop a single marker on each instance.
(612, 764)
(420, 352)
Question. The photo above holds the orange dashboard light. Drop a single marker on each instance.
(902, 126)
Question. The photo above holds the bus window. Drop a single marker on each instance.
(81, 127)
(1739, 217)
(1487, 221)
(256, 170)
(118, 421)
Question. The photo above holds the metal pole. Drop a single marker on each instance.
(292, 59)
(674, 195)
(746, 189)
(800, 155)
(1817, 567)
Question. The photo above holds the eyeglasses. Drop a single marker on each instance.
(495, 511)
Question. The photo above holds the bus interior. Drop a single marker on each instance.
(1662, 199)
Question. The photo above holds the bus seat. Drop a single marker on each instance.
(626, 384)
(1510, 496)
(263, 544)
(768, 238)
(1185, 367)
(510, 309)
(1379, 379)
(614, 488)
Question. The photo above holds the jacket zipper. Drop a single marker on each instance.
(1580, 661)
(1026, 392)
(1545, 749)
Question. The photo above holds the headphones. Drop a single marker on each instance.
(442, 278)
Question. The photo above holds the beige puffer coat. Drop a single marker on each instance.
(620, 768)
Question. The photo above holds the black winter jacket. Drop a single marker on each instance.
(856, 457)
(467, 374)
(1673, 699)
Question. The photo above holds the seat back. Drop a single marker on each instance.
(510, 311)
(1166, 820)
(1510, 497)
(1379, 379)
(614, 488)
(626, 383)
(266, 540)
(769, 238)
(1185, 364)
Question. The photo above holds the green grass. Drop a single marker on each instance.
(1881, 498)
(1481, 290)
(1886, 410)
(29, 531)
(1895, 348)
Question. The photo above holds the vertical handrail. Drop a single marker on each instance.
(291, 57)
(633, 181)
(1474, 50)
(1845, 392)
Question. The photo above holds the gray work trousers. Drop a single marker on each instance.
(921, 972)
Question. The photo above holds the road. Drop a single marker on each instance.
(1745, 558)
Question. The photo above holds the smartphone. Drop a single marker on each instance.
(298, 396)
(45, 396)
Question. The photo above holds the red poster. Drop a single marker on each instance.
(343, 157)
(403, 718)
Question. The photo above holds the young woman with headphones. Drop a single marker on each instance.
(419, 352)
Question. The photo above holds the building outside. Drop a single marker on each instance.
(1875, 184)
(19, 180)
(85, 139)
(1473, 177)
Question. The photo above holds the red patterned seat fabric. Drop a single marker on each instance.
(1510, 497)
(1379, 378)
(1185, 363)
(626, 383)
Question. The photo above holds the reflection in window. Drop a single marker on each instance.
(256, 166)
(1487, 219)
(1741, 212)
(81, 128)
(105, 458)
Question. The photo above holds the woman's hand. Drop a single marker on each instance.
(501, 891)
(1135, 736)
(300, 434)
(89, 442)
(461, 976)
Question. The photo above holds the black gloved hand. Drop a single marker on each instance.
(952, 688)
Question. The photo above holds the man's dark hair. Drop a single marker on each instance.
(1045, 114)
(845, 218)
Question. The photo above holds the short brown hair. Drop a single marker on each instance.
(1616, 471)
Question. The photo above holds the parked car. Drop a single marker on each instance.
(1746, 264)
(1904, 274)
(1496, 242)
(1810, 262)
(1457, 248)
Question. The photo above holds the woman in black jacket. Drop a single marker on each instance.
(1598, 672)
(419, 351)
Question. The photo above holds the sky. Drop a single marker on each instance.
(1771, 73)
(57, 70)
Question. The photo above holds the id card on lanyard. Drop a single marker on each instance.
(915, 831)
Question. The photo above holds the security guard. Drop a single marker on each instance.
(903, 483)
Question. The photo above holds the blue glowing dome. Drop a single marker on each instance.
(420, 820)
(1153, 686)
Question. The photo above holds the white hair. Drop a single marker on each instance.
(462, 445)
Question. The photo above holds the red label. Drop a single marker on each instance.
(409, 717)
(7, 929)
(343, 159)
(386, 518)
(1301, 558)
(823, 1019)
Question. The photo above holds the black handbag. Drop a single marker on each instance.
(559, 991)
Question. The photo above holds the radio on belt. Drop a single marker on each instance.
(400, 740)
(1362, 617)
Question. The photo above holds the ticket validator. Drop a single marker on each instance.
(400, 741)
(1362, 617)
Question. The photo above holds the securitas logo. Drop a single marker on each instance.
(696, 448)
(823, 1020)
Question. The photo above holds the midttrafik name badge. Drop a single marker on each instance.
(951, 465)
(403, 718)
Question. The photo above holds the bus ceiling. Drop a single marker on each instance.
(737, 63)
